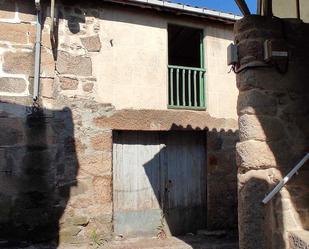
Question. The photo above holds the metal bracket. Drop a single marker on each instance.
(285, 180)
(38, 5)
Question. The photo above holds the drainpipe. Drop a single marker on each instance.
(37, 60)
(298, 9)
(52, 16)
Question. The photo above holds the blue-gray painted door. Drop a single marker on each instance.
(156, 175)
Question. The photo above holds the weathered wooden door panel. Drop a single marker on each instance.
(186, 177)
(136, 206)
(156, 171)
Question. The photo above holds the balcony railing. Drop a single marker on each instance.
(186, 87)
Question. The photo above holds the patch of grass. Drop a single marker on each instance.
(96, 239)
(161, 228)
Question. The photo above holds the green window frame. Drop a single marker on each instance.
(186, 85)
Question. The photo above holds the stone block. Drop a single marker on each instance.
(251, 50)
(295, 108)
(11, 131)
(76, 65)
(222, 195)
(3, 162)
(46, 39)
(47, 63)
(223, 162)
(16, 33)
(47, 87)
(269, 79)
(26, 10)
(256, 22)
(92, 43)
(214, 141)
(259, 154)
(304, 217)
(299, 240)
(302, 202)
(302, 178)
(102, 141)
(88, 87)
(68, 234)
(7, 9)
(13, 85)
(77, 220)
(103, 189)
(83, 185)
(255, 230)
(80, 221)
(96, 164)
(19, 63)
(103, 219)
(287, 220)
(255, 155)
(5, 208)
(256, 102)
(262, 128)
(82, 201)
(23, 63)
(257, 34)
(67, 83)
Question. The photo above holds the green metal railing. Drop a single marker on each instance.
(186, 87)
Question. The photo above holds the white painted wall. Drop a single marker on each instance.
(221, 90)
(132, 67)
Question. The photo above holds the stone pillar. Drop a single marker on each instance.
(272, 109)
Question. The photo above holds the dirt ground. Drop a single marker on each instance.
(185, 242)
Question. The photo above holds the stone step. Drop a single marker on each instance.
(299, 239)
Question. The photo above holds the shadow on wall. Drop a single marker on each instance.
(38, 167)
(273, 113)
(170, 181)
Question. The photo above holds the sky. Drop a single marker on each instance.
(221, 5)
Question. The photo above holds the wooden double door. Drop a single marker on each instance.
(159, 182)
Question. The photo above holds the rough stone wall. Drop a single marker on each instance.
(56, 163)
(222, 180)
(55, 166)
(273, 117)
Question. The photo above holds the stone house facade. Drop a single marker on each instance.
(107, 72)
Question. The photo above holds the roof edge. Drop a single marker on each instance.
(183, 8)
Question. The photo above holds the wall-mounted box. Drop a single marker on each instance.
(232, 54)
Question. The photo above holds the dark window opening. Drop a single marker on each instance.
(186, 67)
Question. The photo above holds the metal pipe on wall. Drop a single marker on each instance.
(298, 9)
(37, 59)
(52, 15)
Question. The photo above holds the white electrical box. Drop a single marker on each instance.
(275, 51)
(232, 54)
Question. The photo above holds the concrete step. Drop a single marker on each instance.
(299, 239)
